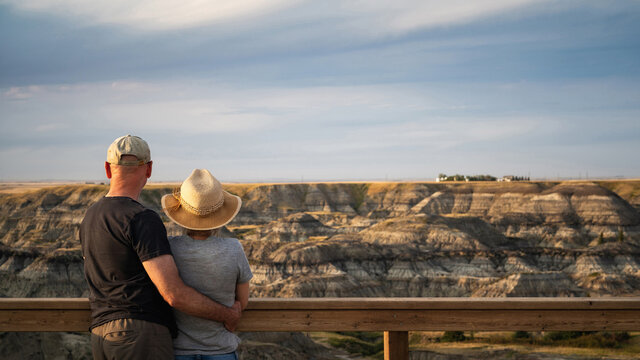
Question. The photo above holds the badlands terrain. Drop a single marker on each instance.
(484, 239)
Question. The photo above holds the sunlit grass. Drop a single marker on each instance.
(550, 342)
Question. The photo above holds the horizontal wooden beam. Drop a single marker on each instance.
(457, 303)
(435, 320)
(368, 314)
(45, 320)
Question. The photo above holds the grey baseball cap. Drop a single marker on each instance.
(128, 145)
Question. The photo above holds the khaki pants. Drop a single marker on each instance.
(131, 339)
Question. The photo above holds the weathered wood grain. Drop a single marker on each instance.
(45, 320)
(609, 303)
(396, 345)
(434, 320)
(378, 314)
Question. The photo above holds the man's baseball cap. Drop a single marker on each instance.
(128, 145)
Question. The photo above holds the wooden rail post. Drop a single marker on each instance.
(396, 345)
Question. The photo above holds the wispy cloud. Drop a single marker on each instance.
(153, 14)
(21, 93)
(468, 111)
(402, 16)
(371, 16)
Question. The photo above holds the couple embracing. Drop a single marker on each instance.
(154, 297)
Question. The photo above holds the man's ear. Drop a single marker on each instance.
(107, 169)
(150, 163)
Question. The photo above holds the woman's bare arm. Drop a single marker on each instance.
(242, 294)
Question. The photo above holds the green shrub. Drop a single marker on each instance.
(357, 346)
(415, 338)
(585, 339)
(562, 335)
(358, 194)
(519, 335)
(453, 336)
(364, 336)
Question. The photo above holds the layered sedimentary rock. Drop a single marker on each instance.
(296, 227)
(378, 239)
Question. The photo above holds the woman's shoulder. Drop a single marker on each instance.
(229, 242)
(180, 241)
(176, 237)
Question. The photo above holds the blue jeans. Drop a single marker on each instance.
(229, 356)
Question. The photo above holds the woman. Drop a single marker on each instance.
(215, 266)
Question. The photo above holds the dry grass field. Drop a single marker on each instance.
(21, 187)
(626, 189)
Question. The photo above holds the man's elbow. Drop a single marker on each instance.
(173, 299)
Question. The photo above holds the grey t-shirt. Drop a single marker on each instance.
(214, 267)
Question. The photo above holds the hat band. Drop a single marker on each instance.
(197, 211)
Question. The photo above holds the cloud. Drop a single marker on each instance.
(468, 112)
(420, 136)
(153, 14)
(21, 93)
(324, 131)
(36, 162)
(187, 117)
(329, 42)
(370, 16)
(403, 16)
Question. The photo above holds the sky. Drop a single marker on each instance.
(295, 90)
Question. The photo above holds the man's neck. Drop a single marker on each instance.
(117, 189)
(123, 194)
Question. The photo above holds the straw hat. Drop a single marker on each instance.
(200, 203)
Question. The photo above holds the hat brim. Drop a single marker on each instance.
(219, 218)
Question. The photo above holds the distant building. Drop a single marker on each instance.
(509, 178)
(466, 178)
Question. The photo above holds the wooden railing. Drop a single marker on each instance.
(395, 316)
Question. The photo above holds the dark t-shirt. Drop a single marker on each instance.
(117, 235)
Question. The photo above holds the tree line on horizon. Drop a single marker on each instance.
(487, 177)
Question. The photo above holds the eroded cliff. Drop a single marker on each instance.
(370, 239)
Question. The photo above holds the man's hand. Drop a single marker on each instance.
(234, 316)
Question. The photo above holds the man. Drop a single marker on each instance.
(132, 277)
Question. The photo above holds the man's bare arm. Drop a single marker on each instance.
(164, 274)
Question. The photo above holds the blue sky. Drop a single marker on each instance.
(333, 90)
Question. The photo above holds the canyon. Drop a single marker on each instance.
(411, 239)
